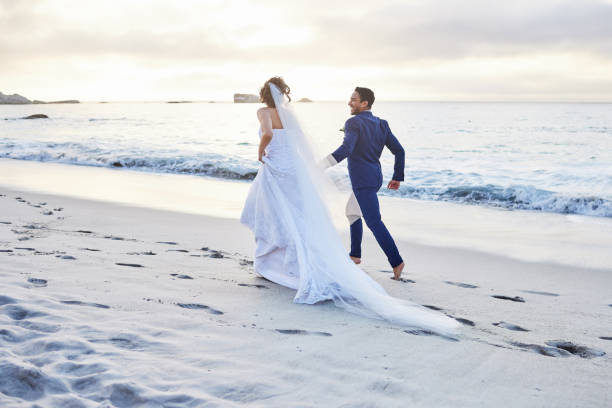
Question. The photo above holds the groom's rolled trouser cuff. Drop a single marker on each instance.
(356, 235)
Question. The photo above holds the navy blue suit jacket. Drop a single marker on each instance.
(365, 136)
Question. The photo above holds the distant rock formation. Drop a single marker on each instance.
(66, 101)
(14, 99)
(246, 98)
(305, 100)
(36, 116)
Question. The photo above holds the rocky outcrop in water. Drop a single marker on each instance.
(14, 99)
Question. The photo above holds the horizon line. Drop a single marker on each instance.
(183, 101)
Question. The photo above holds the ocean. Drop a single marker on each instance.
(541, 157)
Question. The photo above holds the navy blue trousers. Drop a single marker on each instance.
(368, 202)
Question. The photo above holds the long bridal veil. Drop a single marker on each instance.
(325, 269)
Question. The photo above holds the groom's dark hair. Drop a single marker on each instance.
(366, 94)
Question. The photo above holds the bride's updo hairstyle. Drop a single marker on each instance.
(265, 95)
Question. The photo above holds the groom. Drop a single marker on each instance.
(365, 136)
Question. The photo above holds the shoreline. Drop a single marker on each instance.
(570, 240)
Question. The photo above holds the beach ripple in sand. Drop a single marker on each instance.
(16, 312)
(244, 392)
(5, 300)
(63, 346)
(80, 370)
(37, 326)
(18, 334)
(28, 383)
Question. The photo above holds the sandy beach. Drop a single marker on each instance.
(107, 302)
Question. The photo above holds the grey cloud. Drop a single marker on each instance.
(468, 29)
(390, 33)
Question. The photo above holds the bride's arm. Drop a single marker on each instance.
(266, 131)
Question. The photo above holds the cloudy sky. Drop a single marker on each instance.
(553, 50)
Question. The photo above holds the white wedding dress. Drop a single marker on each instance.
(297, 245)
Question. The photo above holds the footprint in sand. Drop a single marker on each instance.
(576, 349)
(67, 257)
(606, 338)
(422, 332)
(303, 332)
(35, 226)
(133, 265)
(543, 350)
(6, 250)
(561, 348)
(213, 253)
(38, 282)
(246, 262)
(538, 292)
(510, 326)
(177, 250)
(465, 322)
(403, 280)
(79, 303)
(25, 249)
(90, 249)
(432, 307)
(142, 253)
(197, 306)
(176, 275)
(166, 242)
(6, 222)
(85, 232)
(251, 285)
(462, 285)
(513, 299)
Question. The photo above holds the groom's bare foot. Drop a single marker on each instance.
(356, 260)
(397, 271)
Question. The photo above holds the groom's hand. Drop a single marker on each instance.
(393, 185)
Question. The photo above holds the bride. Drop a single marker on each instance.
(297, 245)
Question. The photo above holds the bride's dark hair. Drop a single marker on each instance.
(265, 95)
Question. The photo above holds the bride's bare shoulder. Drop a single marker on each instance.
(264, 111)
